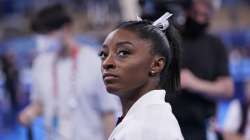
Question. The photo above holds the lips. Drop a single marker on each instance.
(109, 77)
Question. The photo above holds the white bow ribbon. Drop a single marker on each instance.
(162, 23)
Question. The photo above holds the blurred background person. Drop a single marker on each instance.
(247, 130)
(232, 113)
(10, 86)
(205, 76)
(12, 83)
(67, 85)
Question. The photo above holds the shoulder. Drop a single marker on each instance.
(43, 60)
(216, 40)
(87, 51)
(158, 121)
(210, 36)
(42, 57)
(216, 44)
(160, 114)
(89, 61)
(89, 55)
(152, 122)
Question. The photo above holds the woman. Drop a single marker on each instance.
(140, 63)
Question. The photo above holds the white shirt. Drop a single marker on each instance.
(46, 43)
(150, 118)
(78, 111)
(247, 131)
(233, 117)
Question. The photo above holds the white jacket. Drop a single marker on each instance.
(150, 118)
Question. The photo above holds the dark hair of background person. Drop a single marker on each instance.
(50, 19)
(164, 43)
(153, 9)
(10, 70)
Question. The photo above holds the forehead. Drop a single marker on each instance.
(123, 35)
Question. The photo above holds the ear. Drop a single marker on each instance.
(158, 65)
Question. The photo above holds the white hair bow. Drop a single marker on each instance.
(162, 23)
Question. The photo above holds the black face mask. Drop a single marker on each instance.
(193, 29)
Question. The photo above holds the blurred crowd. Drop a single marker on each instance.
(27, 32)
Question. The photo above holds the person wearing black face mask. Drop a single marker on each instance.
(204, 75)
(194, 29)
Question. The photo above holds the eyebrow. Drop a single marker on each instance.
(119, 43)
(124, 43)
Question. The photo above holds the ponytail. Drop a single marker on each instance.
(170, 77)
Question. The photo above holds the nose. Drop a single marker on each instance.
(108, 63)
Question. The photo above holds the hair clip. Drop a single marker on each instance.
(162, 23)
(138, 18)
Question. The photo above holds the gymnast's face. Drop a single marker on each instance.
(126, 62)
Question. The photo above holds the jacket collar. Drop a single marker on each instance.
(152, 97)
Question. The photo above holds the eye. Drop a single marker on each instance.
(123, 53)
(102, 55)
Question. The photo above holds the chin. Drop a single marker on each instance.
(115, 91)
(112, 89)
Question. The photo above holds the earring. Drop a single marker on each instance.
(152, 73)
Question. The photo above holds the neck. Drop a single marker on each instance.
(68, 49)
(133, 96)
(64, 52)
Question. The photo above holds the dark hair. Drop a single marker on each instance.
(165, 43)
(50, 18)
(158, 7)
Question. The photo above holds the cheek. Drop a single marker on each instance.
(135, 73)
(131, 76)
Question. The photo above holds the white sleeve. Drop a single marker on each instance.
(157, 124)
(146, 132)
(161, 124)
(36, 94)
(233, 117)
